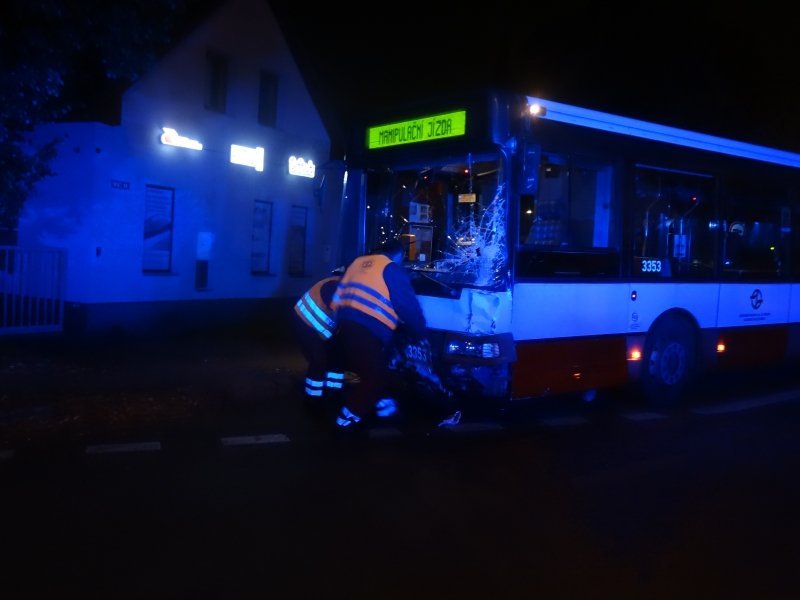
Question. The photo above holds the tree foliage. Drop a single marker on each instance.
(56, 59)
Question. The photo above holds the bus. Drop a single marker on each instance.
(557, 249)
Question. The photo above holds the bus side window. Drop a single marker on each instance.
(753, 242)
(574, 206)
(752, 250)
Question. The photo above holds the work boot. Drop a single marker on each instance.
(451, 421)
(348, 423)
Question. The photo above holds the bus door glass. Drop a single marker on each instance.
(570, 225)
(451, 216)
(675, 224)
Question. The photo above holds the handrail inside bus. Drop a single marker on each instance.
(566, 113)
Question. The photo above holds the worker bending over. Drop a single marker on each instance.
(372, 298)
(315, 325)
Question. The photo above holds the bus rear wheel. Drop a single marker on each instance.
(670, 356)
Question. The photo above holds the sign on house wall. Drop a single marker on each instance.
(159, 204)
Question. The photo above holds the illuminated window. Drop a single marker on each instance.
(298, 224)
(268, 99)
(262, 237)
(217, 90)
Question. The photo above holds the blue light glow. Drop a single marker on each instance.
(565, 113)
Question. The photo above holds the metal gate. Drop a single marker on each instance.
(31, 290)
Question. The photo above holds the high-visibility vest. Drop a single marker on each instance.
(362, 288)
(314, 312)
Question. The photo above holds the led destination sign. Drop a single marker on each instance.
(423, 129)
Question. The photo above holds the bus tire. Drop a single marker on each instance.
(670, 361)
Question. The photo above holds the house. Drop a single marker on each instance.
(212, 200)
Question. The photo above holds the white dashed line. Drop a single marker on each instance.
(119, 448)
(476, 426)
(463, 427)
(564, 421)
(384, 432)
(642, 416)
(255, 440)
(746, 404)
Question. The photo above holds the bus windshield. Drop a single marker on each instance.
(450, 215)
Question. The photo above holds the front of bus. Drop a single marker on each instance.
(435, 180)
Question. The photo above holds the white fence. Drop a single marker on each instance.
(31, 290)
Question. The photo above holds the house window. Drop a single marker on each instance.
(268, 99)
(217, 90)
(262, 236)
(298, 222)
(159, 206)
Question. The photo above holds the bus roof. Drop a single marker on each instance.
(566, 113)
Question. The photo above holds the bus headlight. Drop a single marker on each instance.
(472, 348)
(478, 349)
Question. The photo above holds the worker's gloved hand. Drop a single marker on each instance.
(385, 407)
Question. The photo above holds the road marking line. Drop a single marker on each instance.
(253, 440)
(748, 403)
(472, 426)
(132, 447)
(564, 421)
(384, 432)
(642, 416)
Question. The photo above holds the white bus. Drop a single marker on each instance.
(557, 249)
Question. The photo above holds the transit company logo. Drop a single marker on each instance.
(756, 299)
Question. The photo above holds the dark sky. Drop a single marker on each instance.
(723, 71)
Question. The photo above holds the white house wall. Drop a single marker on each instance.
(95, 206)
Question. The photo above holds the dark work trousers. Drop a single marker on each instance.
(365, 354)
(316, 352)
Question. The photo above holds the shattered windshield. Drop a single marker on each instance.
(451, 218)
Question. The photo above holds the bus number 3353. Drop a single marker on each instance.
(651, 266)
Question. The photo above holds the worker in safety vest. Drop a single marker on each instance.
(315, 325)
(373, 297)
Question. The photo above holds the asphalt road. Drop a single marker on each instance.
(696, 506)
(554, 500)
(102, 395)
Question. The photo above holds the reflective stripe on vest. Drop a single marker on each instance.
(334, 379)
(314, 313)
(314, 387)
(363, 288)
